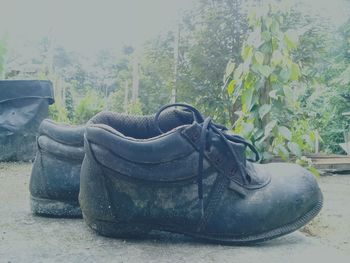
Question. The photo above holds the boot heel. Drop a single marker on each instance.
(54, 208)
(118, 230)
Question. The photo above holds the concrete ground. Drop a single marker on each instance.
(27, 238)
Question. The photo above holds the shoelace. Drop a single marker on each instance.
(208, 124)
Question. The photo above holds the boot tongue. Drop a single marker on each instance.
(240, 150)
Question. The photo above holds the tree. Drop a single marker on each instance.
(2, 55)
(212, 35)
(89, 106)
(156, 78)
(69, 103)
(336, 97)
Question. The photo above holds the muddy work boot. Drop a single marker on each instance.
(191, 178)
(55, 178)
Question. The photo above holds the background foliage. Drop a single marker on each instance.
(275, 75)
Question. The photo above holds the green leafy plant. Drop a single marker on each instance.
(135, 108)
(266, 86)
(89, 106)
(58, 113)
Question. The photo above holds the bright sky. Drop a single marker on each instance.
(89, 25)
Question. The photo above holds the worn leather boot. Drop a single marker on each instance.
(193, 179)
(55, 178)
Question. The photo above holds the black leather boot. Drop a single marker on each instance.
(55, 178)
(192, 179)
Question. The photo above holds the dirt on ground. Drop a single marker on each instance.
(28, 238)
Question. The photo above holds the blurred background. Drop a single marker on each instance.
(276, 72)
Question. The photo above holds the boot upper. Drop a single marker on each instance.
(193, 175)
(56, 169)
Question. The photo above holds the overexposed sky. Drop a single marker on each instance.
(90, 25)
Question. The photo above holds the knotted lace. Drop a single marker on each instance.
(207, 125)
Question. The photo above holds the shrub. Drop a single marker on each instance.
(89, 106)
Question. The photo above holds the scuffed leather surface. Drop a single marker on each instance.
(56, 169)
(160, 204)
(292, 192)
(163, 148)
(64, 133)
(21, 89)
(139, 189)
(60, 150)
(55, 178)
(178, 169)
(19, 122)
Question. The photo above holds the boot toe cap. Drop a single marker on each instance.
(289, 201)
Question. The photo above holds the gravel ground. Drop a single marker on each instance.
(27, 238)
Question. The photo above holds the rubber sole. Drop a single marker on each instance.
(54, 208)
(129, 230)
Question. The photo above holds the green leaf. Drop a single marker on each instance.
(247, 52)
(284, 74)
(259, 57)
(291, 39)
(273, 78)
(269, 127)
(231, 86)
(238, 72)
(266, 47)
(247, 96)
(295, 72)
(282, 151)
(229, 69)
(288, 93)
(276, 57)
(275, 27)
(264, 70)
(268, 21)
(308, 139)
(285, 132)
(294, 148)
(273, 94)
(266, 36)
(314, 171)
(263, 110)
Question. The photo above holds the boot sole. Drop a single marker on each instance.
(131, 230)
(54, 208)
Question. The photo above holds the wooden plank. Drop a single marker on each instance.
(332, 163)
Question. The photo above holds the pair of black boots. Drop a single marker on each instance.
(174, 171)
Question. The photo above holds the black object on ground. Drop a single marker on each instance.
(55, 178)
(23, 105)
(193, 179)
